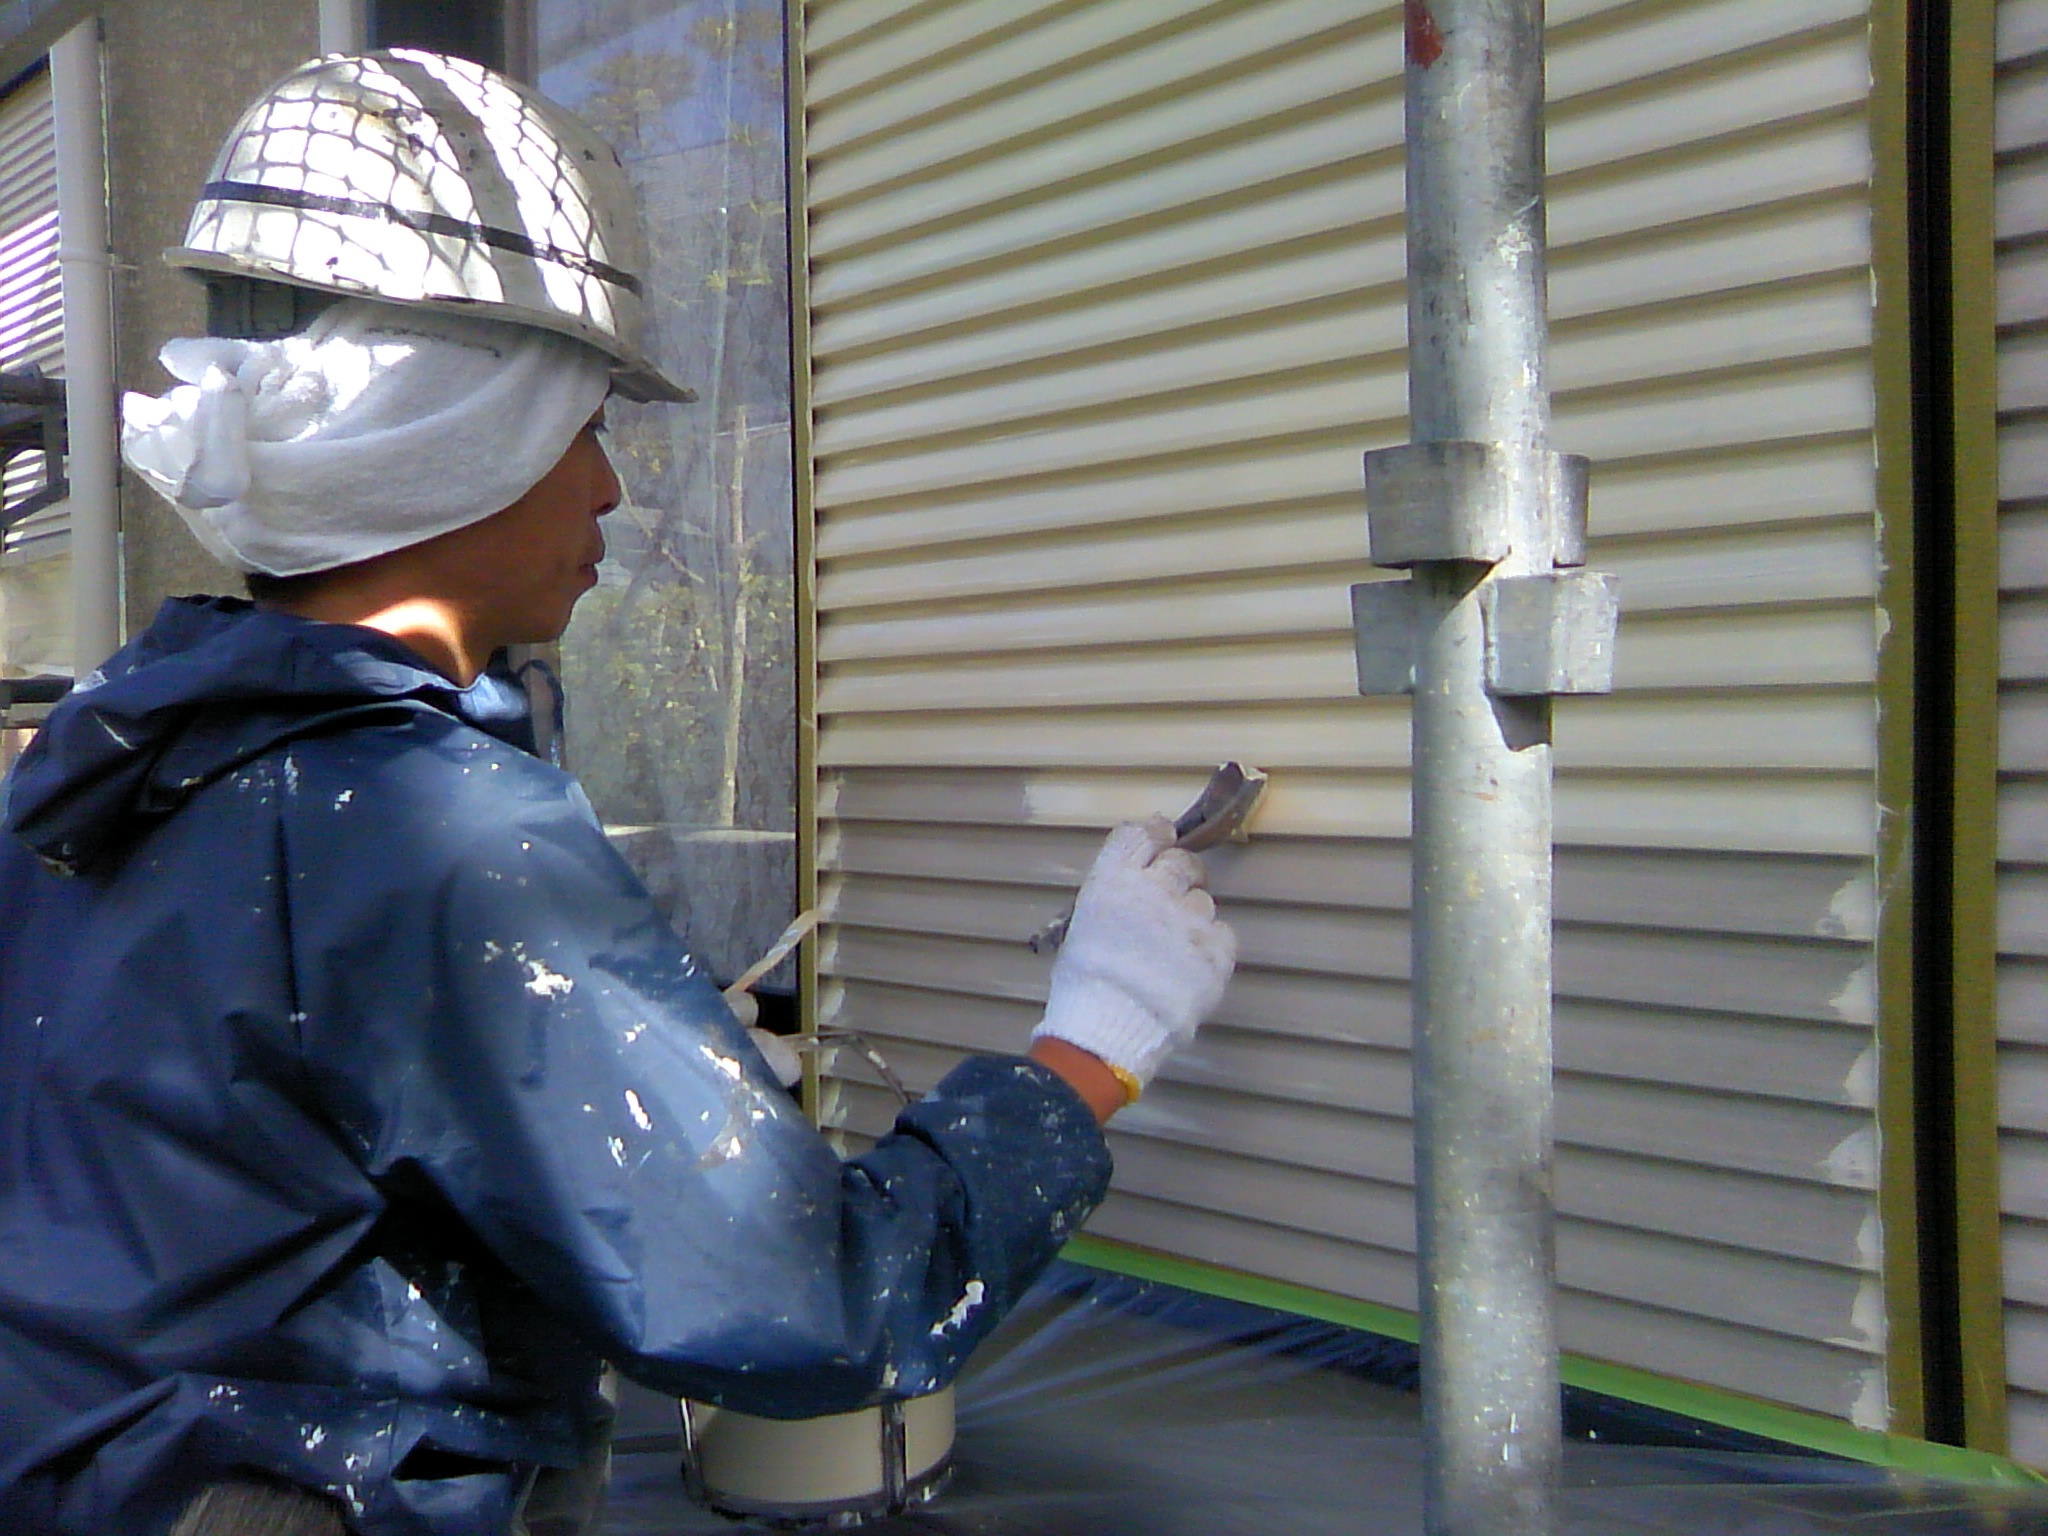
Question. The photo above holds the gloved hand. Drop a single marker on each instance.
(780, 1054)
(777, 1050)
(1145, 959)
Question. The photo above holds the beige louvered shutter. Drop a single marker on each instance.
(2022, 229)
(31, 297)
(1106, 301)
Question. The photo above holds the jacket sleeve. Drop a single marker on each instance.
(491, 1001)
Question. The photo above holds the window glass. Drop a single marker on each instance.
(469, 29)
(680, 666)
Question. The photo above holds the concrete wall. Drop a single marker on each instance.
(179, 72)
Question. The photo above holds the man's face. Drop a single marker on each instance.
(518, 573)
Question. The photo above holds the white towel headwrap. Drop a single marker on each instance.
(375, 428)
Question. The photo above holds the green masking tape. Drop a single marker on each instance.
(1709, 1405)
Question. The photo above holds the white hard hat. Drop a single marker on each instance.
(417, 178)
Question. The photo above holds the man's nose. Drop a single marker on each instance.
(610, 491)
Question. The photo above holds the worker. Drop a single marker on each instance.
(356, 1102)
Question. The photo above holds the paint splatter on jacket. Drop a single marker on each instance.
(355, 1101)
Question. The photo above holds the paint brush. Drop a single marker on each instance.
(1219, 812)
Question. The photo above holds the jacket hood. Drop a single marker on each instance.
(212, 683)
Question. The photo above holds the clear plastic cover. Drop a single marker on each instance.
(1112, 1407)
(680, 666)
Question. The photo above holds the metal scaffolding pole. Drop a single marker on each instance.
(1493, 622)
(1477, 329)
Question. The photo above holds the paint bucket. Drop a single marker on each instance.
(838, 1471)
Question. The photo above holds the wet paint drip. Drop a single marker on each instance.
(1425, 37)
(546, 983)
(962, 1309)
(542, 980)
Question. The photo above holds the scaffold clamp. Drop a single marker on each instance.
(1435, 501)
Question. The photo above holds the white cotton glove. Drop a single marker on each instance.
(1145, 959)
(777, 1051)
(781, 1056)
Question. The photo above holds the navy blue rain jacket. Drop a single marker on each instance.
(355, 1101)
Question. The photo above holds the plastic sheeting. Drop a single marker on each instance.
(681, 665)
(1113, 1407)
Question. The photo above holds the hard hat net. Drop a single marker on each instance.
(416, 178)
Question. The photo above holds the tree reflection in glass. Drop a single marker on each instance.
(680, 666)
